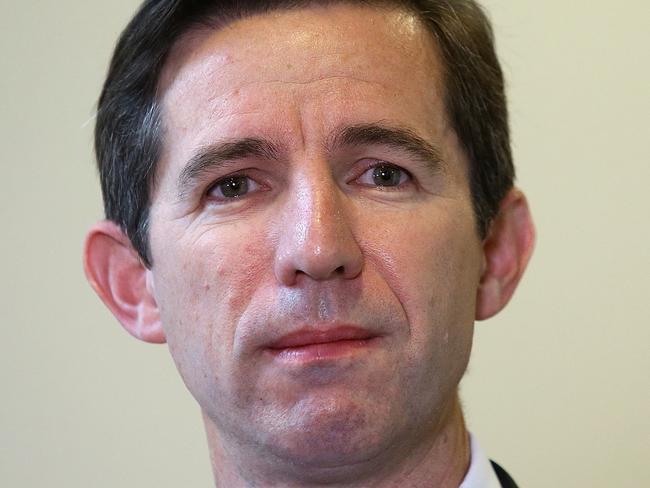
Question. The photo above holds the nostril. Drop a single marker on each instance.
(340, 270)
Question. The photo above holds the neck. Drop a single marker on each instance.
(440, 460)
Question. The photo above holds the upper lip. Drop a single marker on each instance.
(310, 336)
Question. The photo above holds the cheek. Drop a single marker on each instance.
(433, 270)
(428, 260)
(204, 283)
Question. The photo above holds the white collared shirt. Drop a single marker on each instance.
(480, 473)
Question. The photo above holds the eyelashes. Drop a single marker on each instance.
(384, 175)
(233, 187)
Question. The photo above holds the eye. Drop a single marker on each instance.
(232, 187)
(384, 175)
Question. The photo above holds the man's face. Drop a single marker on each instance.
(299, 201)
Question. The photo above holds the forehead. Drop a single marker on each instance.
(344, 29)
(337, 65)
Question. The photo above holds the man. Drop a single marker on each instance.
(311, 203)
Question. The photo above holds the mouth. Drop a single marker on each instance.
(309, 345)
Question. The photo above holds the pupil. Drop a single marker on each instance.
(386, 176)
(234, 187)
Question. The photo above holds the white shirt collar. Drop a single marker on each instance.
(480, 473)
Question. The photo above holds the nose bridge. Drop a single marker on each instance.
(320, 214)
(317, 239)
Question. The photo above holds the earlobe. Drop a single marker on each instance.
(121, 280)
(507, 250)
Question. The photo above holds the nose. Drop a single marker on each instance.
(316, 238)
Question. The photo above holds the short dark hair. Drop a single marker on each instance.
(128, 130)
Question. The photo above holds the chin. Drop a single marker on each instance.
(331, 433)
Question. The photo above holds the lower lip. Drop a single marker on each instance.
(328, 351)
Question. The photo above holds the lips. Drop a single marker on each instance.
(309, 337)
(309, 346)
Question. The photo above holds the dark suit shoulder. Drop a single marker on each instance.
(504, 478)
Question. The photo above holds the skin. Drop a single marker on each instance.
(315, 243)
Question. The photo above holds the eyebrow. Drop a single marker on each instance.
(220, 155)
(400, 138)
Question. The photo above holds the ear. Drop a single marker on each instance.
(506, 251)
(122, 281)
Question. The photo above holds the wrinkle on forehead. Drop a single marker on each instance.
(311, 81)
(217, 104)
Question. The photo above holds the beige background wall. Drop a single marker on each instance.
(558, 385)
